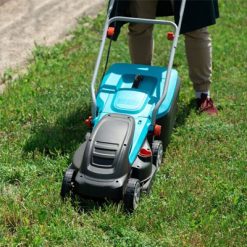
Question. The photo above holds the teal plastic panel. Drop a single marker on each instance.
(116, 95)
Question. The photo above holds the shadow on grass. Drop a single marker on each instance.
(62, 137)
(184, 111)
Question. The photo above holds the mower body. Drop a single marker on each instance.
(111, 154)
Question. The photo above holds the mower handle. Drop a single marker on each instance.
(143, 21)
(108, 22)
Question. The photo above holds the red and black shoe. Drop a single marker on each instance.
(206, 104)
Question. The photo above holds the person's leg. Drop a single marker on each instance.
(141, 35)
(198, 48)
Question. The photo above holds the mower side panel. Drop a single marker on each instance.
(167, 121)
(78, 155)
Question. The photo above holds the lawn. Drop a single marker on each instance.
(199, 197)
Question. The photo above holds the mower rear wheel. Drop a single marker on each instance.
(67, 183)
(157, 149)
(132, 194)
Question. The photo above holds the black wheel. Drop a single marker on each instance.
(157, 149)
(67, 183)
(132, 194)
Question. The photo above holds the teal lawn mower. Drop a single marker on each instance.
(133, 113)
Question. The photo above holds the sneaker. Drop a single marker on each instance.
(206, 104)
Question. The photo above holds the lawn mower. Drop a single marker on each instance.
(133, 113)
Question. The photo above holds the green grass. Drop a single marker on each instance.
(199, 195)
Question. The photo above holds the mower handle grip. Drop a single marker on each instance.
(142, 21)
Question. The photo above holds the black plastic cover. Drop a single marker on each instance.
(105, 163)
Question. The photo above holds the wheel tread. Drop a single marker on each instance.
(130, 193)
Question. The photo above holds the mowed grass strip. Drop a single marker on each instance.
(199, 195)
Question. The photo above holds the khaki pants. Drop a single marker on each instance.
(197, 45)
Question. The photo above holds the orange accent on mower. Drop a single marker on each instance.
(110, 31)
(157, 130)
(170, 36)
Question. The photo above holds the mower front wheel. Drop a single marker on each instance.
(132, 195)
(67, 183)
